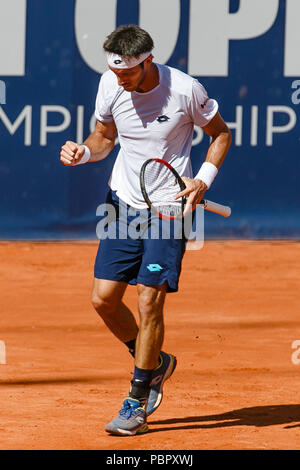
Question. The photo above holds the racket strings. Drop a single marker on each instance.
(161, 186)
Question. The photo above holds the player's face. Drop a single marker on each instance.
(130, 79)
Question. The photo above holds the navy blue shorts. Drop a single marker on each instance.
(142, 259)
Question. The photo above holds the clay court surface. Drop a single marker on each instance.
(231, 326)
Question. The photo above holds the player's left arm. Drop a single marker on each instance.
(217, 151)
(220, 135)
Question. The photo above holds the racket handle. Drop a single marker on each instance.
(225, 211)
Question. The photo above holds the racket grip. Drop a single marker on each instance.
(225, 211)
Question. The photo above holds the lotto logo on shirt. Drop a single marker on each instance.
(163, 118)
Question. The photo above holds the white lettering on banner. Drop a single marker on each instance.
(208, 52)
(95, 19)
(25, 115)
(12, 37)
(254, 126)
(198, 137)
(93, 122)
(212, 26)
(271, 129)
(241, 126)
(292, 39)
(45, 129)
(155, 18)
(2, 92)
(80, 124)
(237, 126)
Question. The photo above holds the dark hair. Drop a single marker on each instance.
(128, 41)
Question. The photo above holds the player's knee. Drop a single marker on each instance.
(100, 304)
(151, 302)
(150, 311)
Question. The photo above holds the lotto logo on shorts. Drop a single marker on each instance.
(154, 267)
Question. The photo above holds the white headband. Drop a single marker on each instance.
(118, 62)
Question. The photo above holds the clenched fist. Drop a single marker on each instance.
(71, 153)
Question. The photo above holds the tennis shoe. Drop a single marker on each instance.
(164, 370)
(131, 420)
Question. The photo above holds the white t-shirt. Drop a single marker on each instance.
(155, 124)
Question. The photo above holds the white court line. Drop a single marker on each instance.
(2, 353)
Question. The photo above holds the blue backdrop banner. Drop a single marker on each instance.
(244, 52)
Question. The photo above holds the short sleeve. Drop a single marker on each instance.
(202, 108)
(103, 106)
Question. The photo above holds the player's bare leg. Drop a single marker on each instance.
(107, 301)
(146, 397)
(151, 331)
(152, 366)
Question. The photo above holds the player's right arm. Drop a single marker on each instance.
(100, 143)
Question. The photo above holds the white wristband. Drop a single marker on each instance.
(86, 156)
(207, 173)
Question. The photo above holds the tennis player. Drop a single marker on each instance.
(153, 108)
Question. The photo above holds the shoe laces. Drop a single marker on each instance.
(127, 409)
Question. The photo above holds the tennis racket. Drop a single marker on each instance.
(160, 182)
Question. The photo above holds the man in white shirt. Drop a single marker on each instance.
(153, 108)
